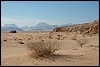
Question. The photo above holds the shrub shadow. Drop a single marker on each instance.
(65, 57)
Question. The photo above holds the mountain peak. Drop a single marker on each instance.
(41, 24)
(11, 25)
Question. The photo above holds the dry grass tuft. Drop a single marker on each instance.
(82, 42)
(43, 48)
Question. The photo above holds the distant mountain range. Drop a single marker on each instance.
(39, 26)
(68, 24)
(9, 27)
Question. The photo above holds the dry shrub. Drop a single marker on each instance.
(73, 38)
(82, 42)
(43, 48)
(5, 40)
(20, 39)
(20, 42)
(13, 31)
(50, 37)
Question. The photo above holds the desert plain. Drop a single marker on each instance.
(15, 53)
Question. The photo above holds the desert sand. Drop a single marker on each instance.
(71, 53)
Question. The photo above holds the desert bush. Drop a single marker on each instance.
(73, 38)
(13, 31)
(82, 42)
(50, 37)
(43, 48)
(20, 42)
(20, 39)
(58, 38)
(5, 40)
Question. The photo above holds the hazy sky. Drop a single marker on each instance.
(31, 13)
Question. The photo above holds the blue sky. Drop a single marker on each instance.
(31, 13)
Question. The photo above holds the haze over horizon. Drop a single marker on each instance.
(30, 13)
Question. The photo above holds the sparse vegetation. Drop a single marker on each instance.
(43, 48)
(5, 40)
(82, 42)
(73, 38)
(59, 37)
(20, 42)
(13, 31)
(15, 38)
(29, 38)
(50, 37)
(20, 39)
(75, 49)
(94, 46)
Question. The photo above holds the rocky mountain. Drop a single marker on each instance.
(25, 28)
(9, 27)
(85, 28)
(44, 26)
(40, 26)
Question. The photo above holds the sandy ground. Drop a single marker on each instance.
(71, 54)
